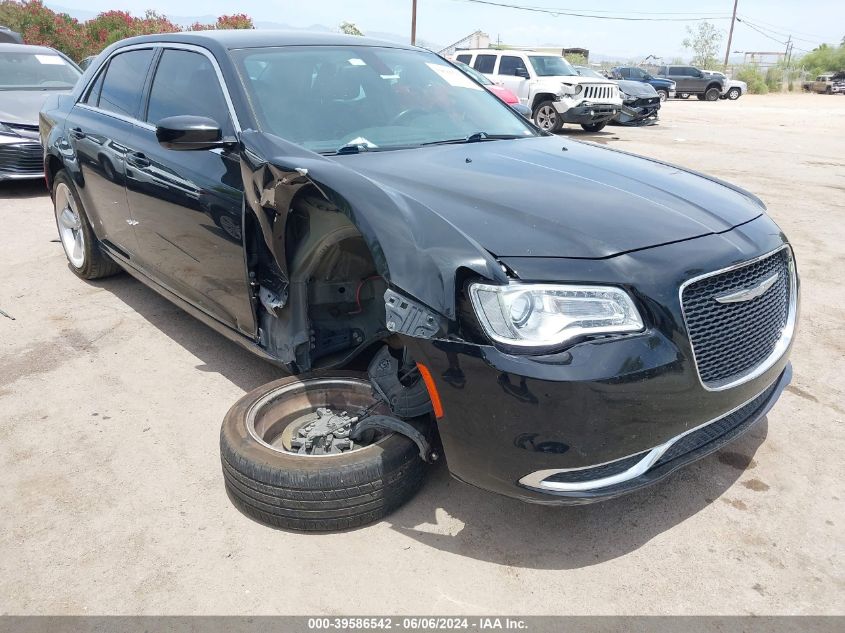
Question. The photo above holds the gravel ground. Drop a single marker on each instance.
(111, 399)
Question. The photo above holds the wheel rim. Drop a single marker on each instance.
(734, 94)
(280, 419)
(663, 95)
(546, 117)
(70, 226)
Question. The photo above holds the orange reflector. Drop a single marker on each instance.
(432, 390)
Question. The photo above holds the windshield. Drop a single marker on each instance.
(35, 71)
(472, 72)
(551, 65)
(589, 72)
(328, 97)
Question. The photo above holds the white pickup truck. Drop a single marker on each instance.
(550, 86)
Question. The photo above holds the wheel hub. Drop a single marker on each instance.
(323, 433)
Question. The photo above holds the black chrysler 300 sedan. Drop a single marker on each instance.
(565, 322)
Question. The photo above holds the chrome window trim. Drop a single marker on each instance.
(536, 480)
(164, 46)
(787, 333)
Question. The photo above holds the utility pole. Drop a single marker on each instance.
(413, 22)
(730, 35)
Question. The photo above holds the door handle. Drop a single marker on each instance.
(77, 133)
(138, 159)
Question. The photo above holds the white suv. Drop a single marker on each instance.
(550, 86)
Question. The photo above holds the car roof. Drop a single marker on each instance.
(27, 48)
(258, 38)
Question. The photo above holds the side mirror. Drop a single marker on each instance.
(522, 109)
(186, 132)
(521, 72)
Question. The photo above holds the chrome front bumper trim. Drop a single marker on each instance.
(537, 479)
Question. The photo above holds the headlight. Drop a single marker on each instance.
(546, 315)
(570, 89)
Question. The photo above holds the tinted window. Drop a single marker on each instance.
(124, 82)
(464, 59)
(485, 63)
(625, 72)
(94, 91)
(186, 83)
(510, 65)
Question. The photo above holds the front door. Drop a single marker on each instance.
(188, 205)
(513, 75)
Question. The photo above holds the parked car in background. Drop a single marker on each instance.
(500, 91)
(550, 86)
(827, 83)
(689, 80)
(572, 322)
(87, 61)
(28, 76)
(640, 101)
(733, 89)
(8, 36)
(665, 87)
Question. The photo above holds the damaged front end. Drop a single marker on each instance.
(335, 274)
(640, 105)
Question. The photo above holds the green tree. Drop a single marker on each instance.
(703, 40)
(350, 29)
(824, 58)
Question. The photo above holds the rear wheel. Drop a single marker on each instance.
(712, 94)
(289, 460)
(76, 235)
(683, 95)
(594, 127)
(547, 118)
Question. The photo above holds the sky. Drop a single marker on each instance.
(810, 22)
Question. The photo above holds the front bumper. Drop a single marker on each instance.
(21, 161)
(588, 112)
(601, 406)
(639, 111)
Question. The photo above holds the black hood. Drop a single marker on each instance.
(543, 197)
(21, 107)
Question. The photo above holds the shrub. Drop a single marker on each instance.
(752, 76)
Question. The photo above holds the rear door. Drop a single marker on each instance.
(485, 63)
(98, 128)
(188, 205)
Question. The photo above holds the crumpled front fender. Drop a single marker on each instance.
(414, 248)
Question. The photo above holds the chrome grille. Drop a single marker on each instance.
(21, 159)
(732, 341)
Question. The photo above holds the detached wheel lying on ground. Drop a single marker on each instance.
(288, 459)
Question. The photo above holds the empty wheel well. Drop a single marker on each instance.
(335, 306)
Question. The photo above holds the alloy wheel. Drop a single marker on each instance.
(70, 226)
(546, 117)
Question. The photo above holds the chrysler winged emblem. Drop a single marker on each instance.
(747, 294)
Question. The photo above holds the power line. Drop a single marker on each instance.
(756, 23)
(579, 14)
(775, 26)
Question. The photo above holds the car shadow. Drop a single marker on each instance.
(217, 354)
(450, 516)
(34, 188)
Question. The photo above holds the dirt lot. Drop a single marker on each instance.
(111, 399)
